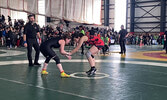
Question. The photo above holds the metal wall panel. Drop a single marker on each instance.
(147, 16)
(111, 13)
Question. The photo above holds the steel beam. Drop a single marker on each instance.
(147, 6)
(132, 14)
(148, 12)
(150, 1)
(147, 17)
(163, 16)
(126, 14)
(106, 12)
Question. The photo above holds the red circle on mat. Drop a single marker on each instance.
(155, 55)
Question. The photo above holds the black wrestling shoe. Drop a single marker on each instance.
(37, 64)
(120, 52)
(91, 72)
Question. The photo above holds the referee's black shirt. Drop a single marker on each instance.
(31, 30)
(122, 33)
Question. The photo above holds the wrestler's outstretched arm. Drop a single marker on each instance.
(61, 49)
(81, 41)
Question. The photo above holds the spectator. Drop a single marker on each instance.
(106, 43)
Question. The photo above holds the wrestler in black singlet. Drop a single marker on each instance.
(47, 51)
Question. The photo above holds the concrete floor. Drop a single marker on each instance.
(141, 74)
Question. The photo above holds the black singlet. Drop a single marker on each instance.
(51, 43)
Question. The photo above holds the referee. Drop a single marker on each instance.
(122, 35)
(31, 32)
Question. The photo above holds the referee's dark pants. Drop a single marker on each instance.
(82, 52)
(165, 46)
(122, 45)
(32, 43)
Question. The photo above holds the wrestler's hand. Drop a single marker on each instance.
(69, 57)
(70, 54)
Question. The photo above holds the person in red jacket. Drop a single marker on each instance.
(96, 45)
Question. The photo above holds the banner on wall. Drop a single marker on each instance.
(82, 11)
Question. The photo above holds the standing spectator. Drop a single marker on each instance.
(141, 40)
(31, 31)
(3, 19)
(17, 38)
(8, 37)
(83, 33)
(14, 38)
(122, 35)
(0, 18)
(21, 35)
(1, 34)
(106, 43)
(9, 21)
(137, 39)
(144, 39)
(150, 39)
(159, 39)
(44, 35)
(116, 37)
(165, 37)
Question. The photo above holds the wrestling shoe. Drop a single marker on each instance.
(37, 64)
(44, 72)
(91, 72)
(64, 75)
